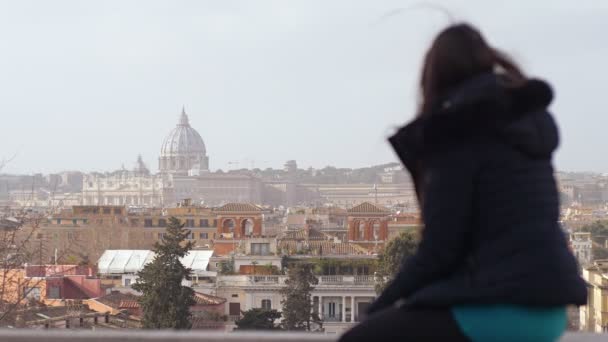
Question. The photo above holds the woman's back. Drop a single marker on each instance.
(479, 153)
(489, 186)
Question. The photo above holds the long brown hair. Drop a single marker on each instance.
(457, 54)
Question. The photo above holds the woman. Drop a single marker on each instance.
(493, 263)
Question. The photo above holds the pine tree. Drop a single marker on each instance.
(165, 302)
(297, 303)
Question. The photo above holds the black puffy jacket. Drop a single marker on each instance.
(481, 164)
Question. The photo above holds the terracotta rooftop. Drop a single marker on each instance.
(115, 300)
(300, 234)
(367, 208)
(35, 314)
(239, 207)
(323, 247)
(128, 304)
(205, 299)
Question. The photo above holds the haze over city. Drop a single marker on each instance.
(88, 86)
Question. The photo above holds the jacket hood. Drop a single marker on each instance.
(484, 106)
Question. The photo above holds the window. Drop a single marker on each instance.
(107, 211)
(127, 282)
(58, 221)
(162, 222)
(215, 223)
(331, 307)
(234, 295)
(331, 270)
(260, 249)
(204, 223)
(361, 231)
(266, 304)
(190, 236)
(161, 236)
(118, 211)
(31, 292)
(363, 270)
(39, 236)
(54, 292)
(234, 309)
(148, 223)
(190, 223)
(376, 230)
(203, 236)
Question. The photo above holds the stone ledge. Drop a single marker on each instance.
(15, 335)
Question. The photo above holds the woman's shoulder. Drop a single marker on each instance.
(475, 117)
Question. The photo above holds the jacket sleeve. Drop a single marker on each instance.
(447, 188)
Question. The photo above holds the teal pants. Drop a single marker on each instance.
(498, 323)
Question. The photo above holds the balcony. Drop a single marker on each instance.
(331, 280)
(366, 280)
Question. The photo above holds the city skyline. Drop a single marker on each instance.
(90, 86)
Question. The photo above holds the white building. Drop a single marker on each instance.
(135, 187)
(581, 245)
(340, 300)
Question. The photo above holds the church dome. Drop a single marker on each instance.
(182, 140)
(183, 148)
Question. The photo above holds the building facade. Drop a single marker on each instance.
(136, 187)
(594, 315)
(581, 245)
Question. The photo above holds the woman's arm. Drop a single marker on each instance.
(447, 189)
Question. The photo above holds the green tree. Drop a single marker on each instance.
(165, 302)
(598, 229)
(226, 267)
(298, 311)
(599, 253)
(392, 256)
(258, 319)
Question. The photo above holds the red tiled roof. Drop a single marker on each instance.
(116, 299)
(366, 208)
(239, 207)
(128, 304)
(206, 299)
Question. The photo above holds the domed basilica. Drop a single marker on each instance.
(183, 151)
(184, 174)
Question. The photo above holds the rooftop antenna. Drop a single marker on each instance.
(376, 193)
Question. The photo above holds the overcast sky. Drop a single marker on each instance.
(88, 85)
